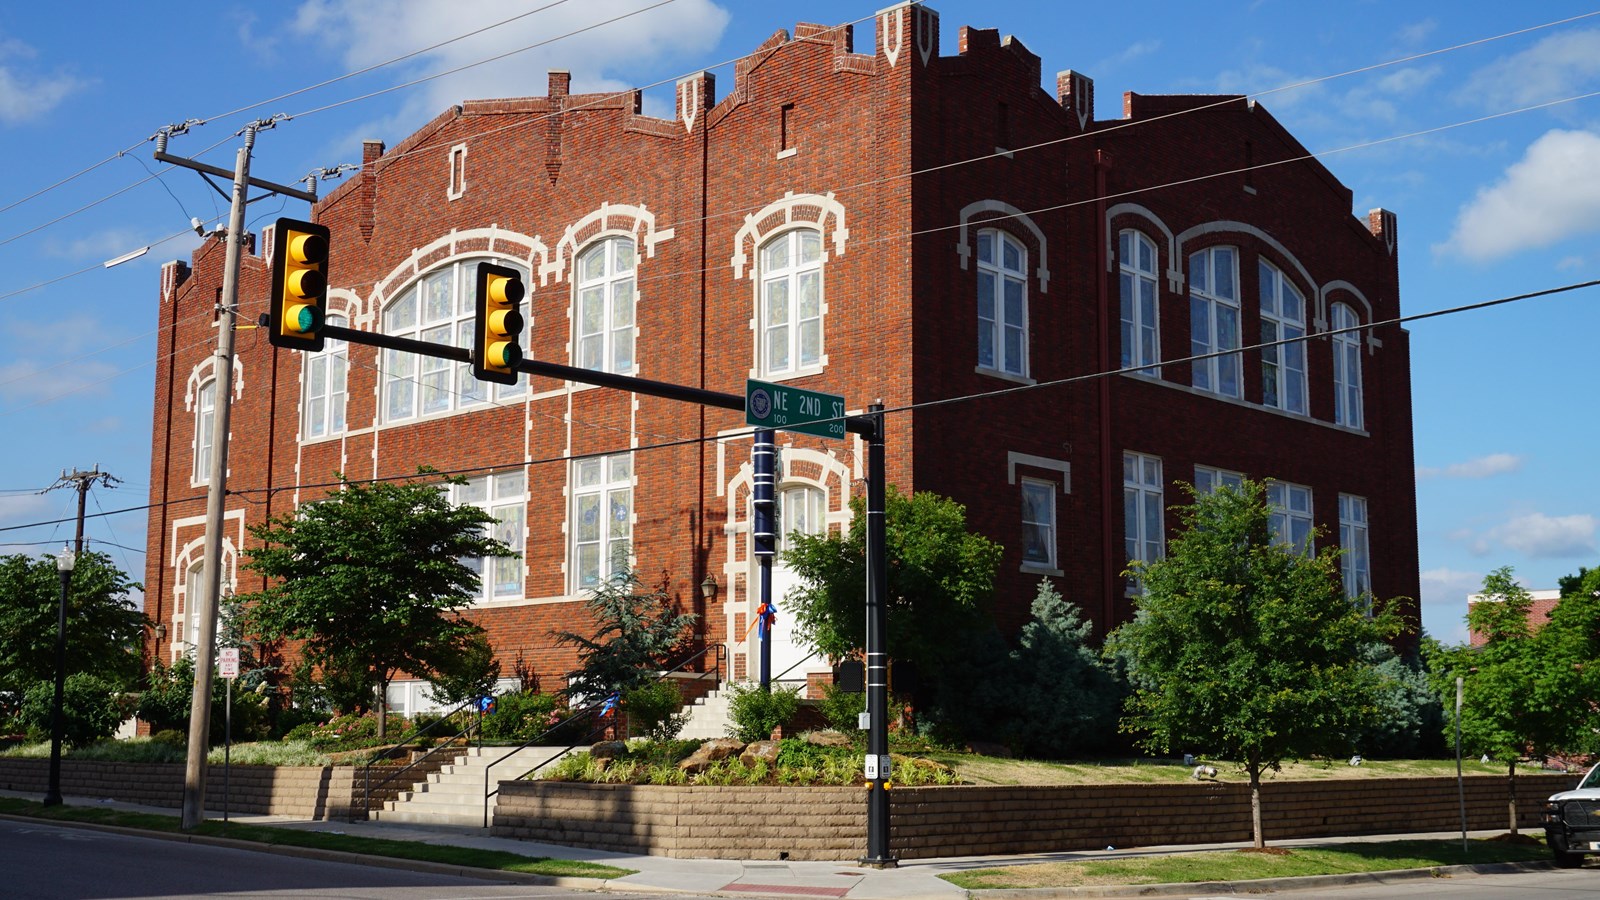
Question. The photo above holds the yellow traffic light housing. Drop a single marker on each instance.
(299, 285)
(497, 325)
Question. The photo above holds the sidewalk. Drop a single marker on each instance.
(912, 880)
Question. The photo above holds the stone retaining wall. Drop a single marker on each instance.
(311, 792)
(830, 823)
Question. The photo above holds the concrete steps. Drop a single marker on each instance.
(708, 717)
(454, 795)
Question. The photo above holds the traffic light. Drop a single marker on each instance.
(497, 324)
(299, 285)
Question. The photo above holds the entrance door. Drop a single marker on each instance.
(800, 510)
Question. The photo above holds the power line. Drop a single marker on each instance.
(911, 407)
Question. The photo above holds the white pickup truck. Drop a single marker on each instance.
(1572, 821)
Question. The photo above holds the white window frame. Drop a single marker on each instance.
(326, 388)
(1292, 518)
(802, 264)
(997, 278)
(1143, 509)
(205, 415)
(422, 387)
(1283, 318)
(1141, 301)
(613, 288)
(504, 496)
(1212, 307)
(1355, 564)
(1039, 521)
(193, 584)
(1207, 479)
(605, 485)
(802, 509)
(1348, 391)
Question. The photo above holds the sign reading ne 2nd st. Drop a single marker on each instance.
(779, 406)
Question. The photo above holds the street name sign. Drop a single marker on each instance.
(780, 406)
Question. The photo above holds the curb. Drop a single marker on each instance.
(344, 856)
(1260, 885)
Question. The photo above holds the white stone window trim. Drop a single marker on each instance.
(1175, 259)
(1015, 459)
(457, 186)
(493, 243)
(998, 326)
(1044, 490)
(999, 209)
(828, 218)
(646, 236)
(1131, 269)
(191, 557)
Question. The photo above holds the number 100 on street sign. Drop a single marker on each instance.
(787, 408)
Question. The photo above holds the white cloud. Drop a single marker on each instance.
(366, 32)
(1569, 263)
(1482, 467)
(1417, 32)
(107, 243)
(1135, 51)
(1444, 602)
(1543, 537)
(1551, 194)
(1560, 66)
(22, 508)
(23, 95)
(27, 382)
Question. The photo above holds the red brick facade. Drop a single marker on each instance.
(872, 154)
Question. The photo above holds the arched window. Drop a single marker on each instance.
(1283, 318)
(438, 309)
(1347, 394)
(205, 417)
(1214, 319)
(605, 313)
(1002, 303)
(791, 302)
(324, 397)
(193, 579)
(1141, 342)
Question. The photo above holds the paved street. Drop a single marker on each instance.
(46, 862)
(1552, 885)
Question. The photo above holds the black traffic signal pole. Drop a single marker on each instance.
(869, 426)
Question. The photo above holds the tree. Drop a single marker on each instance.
(1571, 584)
(104, 629)
(1244, 648)
(1511, 689)
(371, 581)
(635, 630)
(1063, 698)
(1571, 647)
(1410, 717)
(940, 580)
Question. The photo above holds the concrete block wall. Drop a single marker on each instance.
(927, 822)
(310, 792)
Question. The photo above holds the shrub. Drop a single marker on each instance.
(90, 709)
(655, 711)
(842, 709)
(135, 750)
(757, 712)
(519, 717)
(348, 732)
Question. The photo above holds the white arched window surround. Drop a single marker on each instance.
(184, 626)
(1150, 225)
(789, 303)
(437, 307)
(605, 297)
(1348, 390)
(1002, 303)
(1283, 318)
(1140, 295)
(199, 398)
(823, 217)
(999, 209)
(325, 389)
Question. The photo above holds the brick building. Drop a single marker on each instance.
(898, 224)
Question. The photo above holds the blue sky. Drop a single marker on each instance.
(1494, 198)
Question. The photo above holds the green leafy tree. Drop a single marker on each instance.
(1063, 698)
(940, 581)
(1512, 690)
(1571, 584)
(91, 709)
(1571, 647)
(635, 630)
(1246, 649)
(1410, 718)
(370, 580)
(104, 629)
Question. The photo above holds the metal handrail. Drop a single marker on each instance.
(719, 654)
(368, 786)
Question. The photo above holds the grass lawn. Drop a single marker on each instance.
(993, 770)
(1236, 865)
(266, 834)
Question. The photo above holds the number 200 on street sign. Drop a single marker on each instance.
(779, 406)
